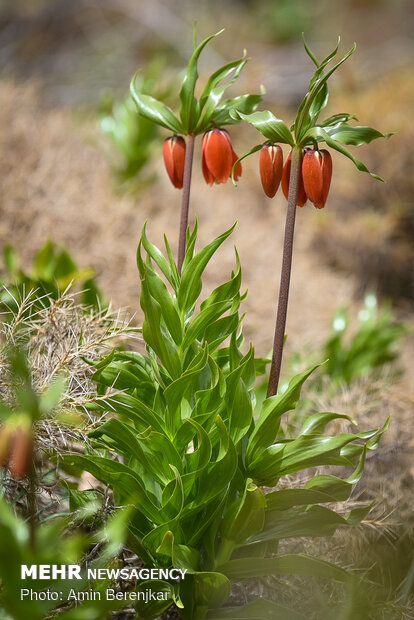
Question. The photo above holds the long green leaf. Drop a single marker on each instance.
(158, 258)
(348, 134)
(272, 128)
(119, 476)
(190, 285)
(243, 103)
(303, 452)
(320, 134)
(272, 409)
(154, 110)
(214, 91)
(188, 101)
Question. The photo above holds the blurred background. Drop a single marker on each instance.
(79, 168)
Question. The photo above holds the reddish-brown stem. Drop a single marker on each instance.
(285, 273)
(185, 199)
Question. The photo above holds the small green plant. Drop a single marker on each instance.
(53, 271)
(190, 452)
(355, 349)
(374, 344)
(132, 135)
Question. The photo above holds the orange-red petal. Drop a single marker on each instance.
(312, 175)
(206, 172)
(218, 154)
(174, 158)
(326, 177)
(271, 167)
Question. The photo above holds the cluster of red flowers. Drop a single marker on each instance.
(16, 450)
(217, 158)
(314, 180)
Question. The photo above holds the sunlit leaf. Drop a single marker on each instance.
(270, 127)
(154, 110)
(188, 100)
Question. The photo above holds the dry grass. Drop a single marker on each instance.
(62, 338)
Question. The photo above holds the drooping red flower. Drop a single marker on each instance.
(317, 174)
(174, 158)
(312, 175)
(302, 197)
(326, 177)
(271, 167)
(218, 157)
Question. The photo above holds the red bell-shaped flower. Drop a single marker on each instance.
(326, 177)
(174, 158)
(218, 157)
(312, 175)
(302, 197)
(271, 167)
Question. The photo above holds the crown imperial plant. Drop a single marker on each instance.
(308, 170)
(190, 445)
(206, 115)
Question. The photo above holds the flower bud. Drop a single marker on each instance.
(302, 197)
(271, 167)
(174, 158)
(218, 157)
(312, 175)
(326, 177)
(21, 453)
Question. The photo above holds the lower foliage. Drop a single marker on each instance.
(190, 453)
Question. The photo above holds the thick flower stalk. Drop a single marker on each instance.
(307, 171)
(207, 115)
(301, 198)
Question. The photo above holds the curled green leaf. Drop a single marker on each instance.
(355, 135)
(272, 128)
(320, 134)
(154, 110)
(188, 101)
